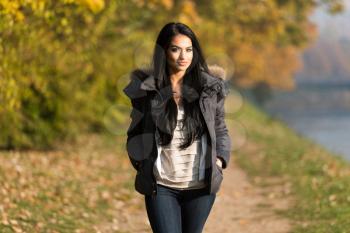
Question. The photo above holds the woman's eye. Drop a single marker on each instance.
(189, 50)
(174, 49)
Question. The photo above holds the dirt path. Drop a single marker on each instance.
(240, 207)
(244, 208)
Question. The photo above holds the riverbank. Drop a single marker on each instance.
(318, 180)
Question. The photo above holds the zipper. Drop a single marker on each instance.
(150, 96)
(154, 182)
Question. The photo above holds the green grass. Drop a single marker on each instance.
(320, 179)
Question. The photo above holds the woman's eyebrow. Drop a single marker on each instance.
(180, 47)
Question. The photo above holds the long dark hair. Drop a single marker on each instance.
(166, 112)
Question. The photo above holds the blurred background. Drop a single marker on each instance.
(319, 104)
(64, 63)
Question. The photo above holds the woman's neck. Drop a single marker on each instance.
(176, 76)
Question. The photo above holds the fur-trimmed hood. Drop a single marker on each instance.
(142, 80)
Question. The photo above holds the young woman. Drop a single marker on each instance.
(177, 140)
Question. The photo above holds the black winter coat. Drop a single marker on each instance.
(141, 145)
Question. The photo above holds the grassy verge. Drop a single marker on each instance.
(319, 180)
(74, 189)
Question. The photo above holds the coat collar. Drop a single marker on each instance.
(142, 80)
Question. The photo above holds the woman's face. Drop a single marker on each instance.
(180, 53)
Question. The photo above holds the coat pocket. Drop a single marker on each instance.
(144, 178)
(217, 179)
(142, 184)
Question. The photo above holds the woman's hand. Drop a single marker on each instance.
(219, 162)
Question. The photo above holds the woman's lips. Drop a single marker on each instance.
(182, 63)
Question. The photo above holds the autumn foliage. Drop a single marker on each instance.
(61, 61)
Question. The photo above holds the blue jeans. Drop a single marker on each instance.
(178, 211)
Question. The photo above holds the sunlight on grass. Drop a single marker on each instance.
(320, 179)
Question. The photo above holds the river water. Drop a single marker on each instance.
(323, 115)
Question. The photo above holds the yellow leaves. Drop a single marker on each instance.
(315, 182)
(189, 13)
(334, 169)
(19, 16)
(243, 221)
(154, 4)
(11, 7)
(271, 195)
(4, 219)
(93, 5)
(266, 63)
(12, 223)
(331, 169)
(168, 4)
(64, 22)
(38, 5)
(332, 200)
(332, 197)
(105, 195)
(16, 8)
(9, 92)
(66, 185)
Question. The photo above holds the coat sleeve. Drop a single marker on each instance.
(134, 133)
(223, 139)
